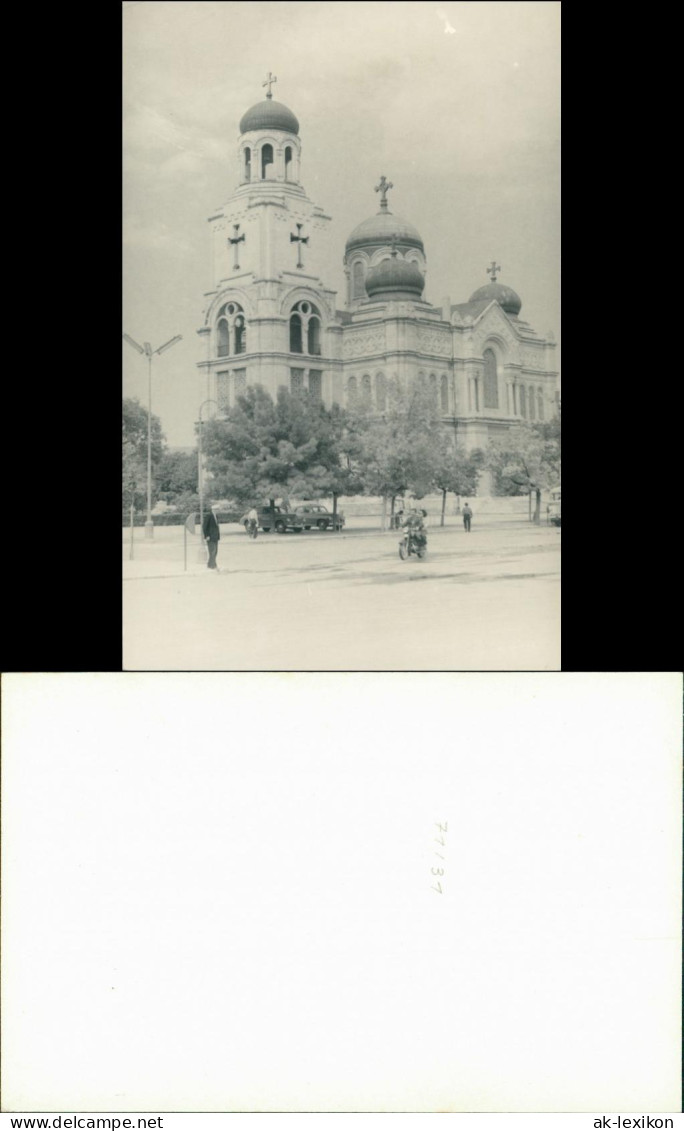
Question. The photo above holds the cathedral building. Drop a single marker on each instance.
(271, 320)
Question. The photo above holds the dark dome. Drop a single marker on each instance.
(269, 115)
(395, 278)
(380, 229)
(506, 297)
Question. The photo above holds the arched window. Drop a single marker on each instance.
(240, 334)
(540, 404)
(248, 163)
(380, 392)
(531, 403)
(351, 391)
(295, 334)
(358, 281)
(223, 338)
(296, 381)
(266, 160)
(288, 162)
(314, 336)
(366, 389)
(433, 389)
(444, 393)
(305, 327)
(231, 324)
(491, 384)
(523, 401)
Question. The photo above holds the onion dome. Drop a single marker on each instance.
(394, 279)
(377, 231)
(269, 115)
(508, 300)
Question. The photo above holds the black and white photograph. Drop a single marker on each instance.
(341, 336)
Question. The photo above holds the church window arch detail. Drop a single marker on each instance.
(266, 160)
(433, 388)
(296, 333)
(531, 402)
(523, 402)
(351, 391)
(444, 393)
(248, 163)
(231, 327)
(313, 334)
(240, 332)
(223, 338)
(540, 404)
(491, 383)
(358, 280)
(288, 163)
(305, 329)
(366, 390)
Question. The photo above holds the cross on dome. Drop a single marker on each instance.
(383, 188)
(269, 83)
(492, 269)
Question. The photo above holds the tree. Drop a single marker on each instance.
(455, 470)
(523, 461)
(134, 450)
(268, 450)
(176, 476)
(396, 448)
(134, 424)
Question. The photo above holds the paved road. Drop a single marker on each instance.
(485, 601)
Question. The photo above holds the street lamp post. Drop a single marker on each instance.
(148, 351)
(200, 478)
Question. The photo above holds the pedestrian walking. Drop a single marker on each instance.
(211, 532)
(467, 515)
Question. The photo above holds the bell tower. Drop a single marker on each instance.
(269, 245)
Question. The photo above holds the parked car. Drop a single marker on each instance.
(313, 514)
(276, 518)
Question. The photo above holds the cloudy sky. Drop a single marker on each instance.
(457, 103)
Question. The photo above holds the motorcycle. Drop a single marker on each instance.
(251, 528)
(412, 543)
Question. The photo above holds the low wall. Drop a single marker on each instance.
(517, 505)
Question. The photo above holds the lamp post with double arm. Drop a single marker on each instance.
(146, 348)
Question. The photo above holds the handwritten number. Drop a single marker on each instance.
(437, 888)
(437, 871)
(442, 827)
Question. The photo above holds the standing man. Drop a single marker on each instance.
(467, 515)
(211, 532)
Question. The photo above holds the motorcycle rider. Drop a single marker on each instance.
(253, 518)
(414, 524)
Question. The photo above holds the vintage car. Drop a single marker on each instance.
(313, 514)
(276, 518)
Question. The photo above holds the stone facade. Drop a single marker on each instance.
(270, 319)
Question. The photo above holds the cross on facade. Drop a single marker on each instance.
(492, 270)
(269, 83)
(299, 239)
(235, 240)
(382, 189)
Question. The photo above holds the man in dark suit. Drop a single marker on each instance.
(211, 532)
